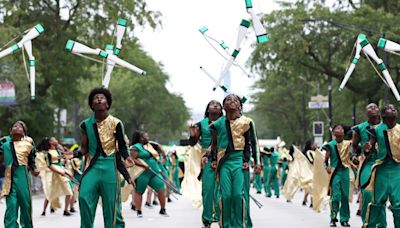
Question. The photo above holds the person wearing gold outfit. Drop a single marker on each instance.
(18, 152)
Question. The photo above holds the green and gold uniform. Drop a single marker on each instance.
(19, 157)
(385, 178)
(365, 171)
(106, 145)
(209, 190)
(233, 145)
(339, 186)
(270, 163)
(255, 153)
(149, 155)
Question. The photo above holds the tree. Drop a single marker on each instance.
(315, 42)
(60, 76)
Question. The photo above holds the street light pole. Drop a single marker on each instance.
(330, 104)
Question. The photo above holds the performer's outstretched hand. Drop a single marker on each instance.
(245, 165)
(194, 131)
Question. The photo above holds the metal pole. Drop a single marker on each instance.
(330, 104)
(354, 113)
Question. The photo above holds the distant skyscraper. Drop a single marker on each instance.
(227, 81)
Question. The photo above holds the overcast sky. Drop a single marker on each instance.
(182, 49)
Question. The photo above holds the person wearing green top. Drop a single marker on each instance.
(255, 154)
(230, 150)
(285, 169)
(359, 139)
(175, 171)
(18, 153)
(146, 155)
(103, 144)
(337, 162)
(270, 162)
(201, 132)
(385, 179)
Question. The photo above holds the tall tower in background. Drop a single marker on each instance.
(227, 82)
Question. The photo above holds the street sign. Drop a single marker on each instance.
(318, 140)
(318, 105)
(7, 93)
(318, 128)
(319, 98)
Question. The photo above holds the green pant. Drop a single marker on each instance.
(246, 189)
(387, 187)
(284, 176)
(19, 198)
(258, 183)
(231, 180)
(340, 192)
(270, 178)
(150, 179)
(100, 181)
(365, 175)
(209, 194)
(119, 219)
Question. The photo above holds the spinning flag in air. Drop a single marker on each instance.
(362, 44)
(109, 55)
(26, 43)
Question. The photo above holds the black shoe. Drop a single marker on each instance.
(43, 213)
(52, 210)
(277, 197)
(258, 192)
(358, 213)
(206, 225)
(333, 223)
(133, 208)
(66, 213)
(304, 203)
(288, 201)
(148, 205)
(268, 195)
(72, 210)
(169, 200)
(155, 202)
(311, 205)
(139, 213)
(163, 212)
(345, 224)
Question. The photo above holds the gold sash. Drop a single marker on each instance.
(107, 130)
(238, 128)
(394, 142)
(152, 151)
(22, 150)
(344, 152)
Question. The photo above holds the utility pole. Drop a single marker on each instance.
(330, 104)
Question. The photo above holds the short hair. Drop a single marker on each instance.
(337, 125)
(207, 113)
(100, 90)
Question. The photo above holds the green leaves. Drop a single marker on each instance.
(308, 44)
(64, 80)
